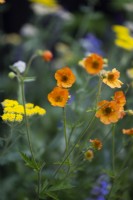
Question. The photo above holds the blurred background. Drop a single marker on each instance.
(70, 29)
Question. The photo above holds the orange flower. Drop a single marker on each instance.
(93, 63)
(120, 98)
(89, 155)
(128, 131)
(58, 97)
(111, 79)
(96, 144)
(108, 112)
(65, 77)
(47, 55)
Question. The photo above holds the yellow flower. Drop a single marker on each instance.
(39, 110)
(123, 37)
(19, 117)
(14, 109)
(2, 1)
(29, 105)
(89, 155)
(120, 29)
(14, 112)
(110, 78)
(9, 103)
(48, 3)
(126, 43)
(12, 117)
(130, 73)
(30, 112)
(35, 111)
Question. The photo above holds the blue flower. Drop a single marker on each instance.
(100, 198)
(100, 189)
(92, 44)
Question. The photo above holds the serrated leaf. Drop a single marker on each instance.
(30, 162)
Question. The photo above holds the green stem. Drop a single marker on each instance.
(39, 184)
(65, 133)
(7, 141)
(99, 91)
(85, 130)
(29, 137)
(29, 63)
(113, 149)
(113, 161)
(39, 179)
(73, 147)
(26, 121)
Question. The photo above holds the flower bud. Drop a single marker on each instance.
(47, 55)
(130, 112)
(11, 75)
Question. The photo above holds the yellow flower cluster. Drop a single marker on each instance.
(48, 3)
(14, 112)
(123, 37)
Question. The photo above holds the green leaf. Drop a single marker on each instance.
(53, 195)
(30, 162)
(29, 79)
(49, 194)
(109, 172)
(56, 187)
(60, 187)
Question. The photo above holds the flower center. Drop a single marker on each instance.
(108, 110)
(95, 64)
(64, 78)
(58, 99)
(110, 76)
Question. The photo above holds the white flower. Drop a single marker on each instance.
(20, 66)
(28, 30)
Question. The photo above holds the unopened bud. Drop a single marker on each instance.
(47, 55)
(105, 60)
(130, 112)
(11, 75)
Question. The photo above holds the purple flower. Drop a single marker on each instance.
(92, 44)
(96, 190)
(100, 198)
(101, 188)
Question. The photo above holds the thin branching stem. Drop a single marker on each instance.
(29, 63)
(113, 149)
(26, 121)
(73, 147)
(65, 131)
(99, 91)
